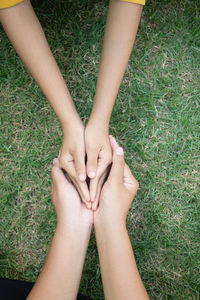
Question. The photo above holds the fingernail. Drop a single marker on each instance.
(81, 177)
(119, 151)
(55, 160)
(91, 174)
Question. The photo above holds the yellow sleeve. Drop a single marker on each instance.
(9, 3)
(135, 1)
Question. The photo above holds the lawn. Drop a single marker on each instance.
(156, 119)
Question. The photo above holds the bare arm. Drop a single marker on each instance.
(61, 273)
(121, 279)
(121, 27)
(27, 37)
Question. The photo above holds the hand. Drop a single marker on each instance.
(99, 156)
(69, 208)
(72, 158)
(118, 191)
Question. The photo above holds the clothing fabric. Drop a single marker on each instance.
(18, 290)
(9, 3)
(142, 2)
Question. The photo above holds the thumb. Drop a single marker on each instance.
(117, 170)
(57, 174)
(92, 157)
(129, 180)
(79, 161)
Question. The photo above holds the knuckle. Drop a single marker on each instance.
(135, 185)
(135, 182)
(62, 162)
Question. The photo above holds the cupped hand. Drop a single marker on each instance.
(118, 191)
(72, 158)
(69, 208)
(99, 157)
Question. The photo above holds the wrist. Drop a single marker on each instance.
(99, 123)
(109, 225)
(73, 124)
(76, 230)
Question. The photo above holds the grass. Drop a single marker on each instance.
(156, 119)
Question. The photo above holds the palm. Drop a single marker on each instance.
(67, 201)
(76, 209)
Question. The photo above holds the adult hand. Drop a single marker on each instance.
(118, 191)
(99, 156)
(72, 158)
(69, 208)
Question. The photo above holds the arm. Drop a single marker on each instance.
(121, 28)
(28, 39)
(120, 276)
(121, 279)
(61, 273)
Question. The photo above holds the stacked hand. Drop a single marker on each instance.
(114, 197)
(86, 152)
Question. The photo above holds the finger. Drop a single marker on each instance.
(79, 161)
(93, 187)
(81, 187)
(129, 179)
(92, 157)
(99, 188)
(113, 143)
(83, 191)
(94, 182)
(95, 205)
(57, 174)
(117, 169)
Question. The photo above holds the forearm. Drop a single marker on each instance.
(121, 28)
(60, 276)
(26, 35)
(120, 276)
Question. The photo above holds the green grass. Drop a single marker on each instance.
(156, 119)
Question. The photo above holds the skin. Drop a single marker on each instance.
(26, 35)
(61, 273)
(121, 27)
(120, 276)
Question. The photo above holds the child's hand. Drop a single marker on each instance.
(69, 208)
(118, 191)
(72, 158)
(99, 156)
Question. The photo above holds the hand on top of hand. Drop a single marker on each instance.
(72, 159)
(69, 208)
(78, 143)
(118, 191)
(114, 197)
(99, 157)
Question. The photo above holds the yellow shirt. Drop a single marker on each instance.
(9, 3)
